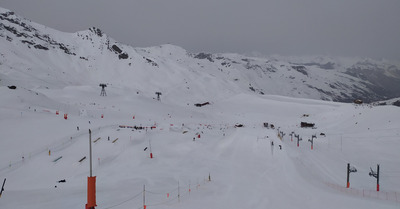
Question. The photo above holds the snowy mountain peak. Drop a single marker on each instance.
(4, 11)
(51, 58)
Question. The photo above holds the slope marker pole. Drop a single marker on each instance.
(91, 189)
(350, 170)
(144, 196)
(179, 194)
(2, 187)
(375, 175)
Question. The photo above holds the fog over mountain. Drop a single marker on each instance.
(364, 28)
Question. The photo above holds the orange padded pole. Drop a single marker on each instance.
(91, 192)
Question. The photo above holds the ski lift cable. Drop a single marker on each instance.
(390, 175)
(165, 202)
(161, 193)
(118, 204)
(57, 145)
(352, 133)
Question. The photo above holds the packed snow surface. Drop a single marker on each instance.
(202, 158)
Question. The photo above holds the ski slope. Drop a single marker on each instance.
(244, 169)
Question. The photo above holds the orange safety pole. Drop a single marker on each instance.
(91, 193)
(91, 190)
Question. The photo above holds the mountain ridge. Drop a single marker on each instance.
(48, 58)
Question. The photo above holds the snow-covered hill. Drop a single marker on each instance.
(54, 59)
(38, 148)
(219, 155)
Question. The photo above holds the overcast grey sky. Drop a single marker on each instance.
(366, 28)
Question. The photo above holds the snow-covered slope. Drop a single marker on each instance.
(54, 59)
(245, 170)
(219, 155)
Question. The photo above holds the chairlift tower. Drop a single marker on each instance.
(158, 95)
(103, 90)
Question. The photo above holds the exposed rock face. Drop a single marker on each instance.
(317, 78)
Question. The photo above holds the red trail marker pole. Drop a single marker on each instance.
(91, 190)
(151, 153)
(375, 175)
(2, 187)
(349, 170)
